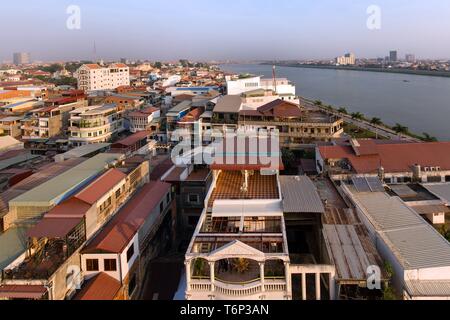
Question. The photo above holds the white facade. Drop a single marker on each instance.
(95, 124)
(238, 86)
(92, 77)
(281, 86)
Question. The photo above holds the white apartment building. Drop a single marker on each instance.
(95, 124)
(242, 84)
(92, 77)
(348, 59)
(281, 86)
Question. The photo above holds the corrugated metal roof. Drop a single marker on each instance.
(387, 213)
(17, 160)
(414, 242)
(13, 243)
(229, 104)
(53, 191)
(300, 195)
(84, 150)
(347, 252)
(428, 288)
(181, 107)
(441, 190)
(45, 173)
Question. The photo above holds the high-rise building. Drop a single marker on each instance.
(393, 56)
(410, 58)
(347, 59)
(21, 58)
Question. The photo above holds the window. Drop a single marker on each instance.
(110, 264)
(168, 198)
(132, 285)
(92, 264)
(193, 198)
(193, 221)
(161, 206)
(130, 253)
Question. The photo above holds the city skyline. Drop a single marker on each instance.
(235, 31)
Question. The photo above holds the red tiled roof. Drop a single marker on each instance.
(364, 147)
(100, 287)
(118, 65)
(393, 157)
(72, 208)
(97, 189)
(93, 66)
(131, 140)
(161, 169)
(183, 97)
(115, 236)
(22, 291)
(53, 227)
(192, 116)
(280, 108)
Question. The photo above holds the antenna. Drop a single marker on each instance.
(95, 52)
(274, 78)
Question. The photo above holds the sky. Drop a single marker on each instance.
(223, 29)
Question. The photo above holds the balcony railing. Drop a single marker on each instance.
(238, 290)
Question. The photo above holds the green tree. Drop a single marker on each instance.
(52, 68)
(376, 121)
(343, 110)
(318, 103)
(400, 128)
(428, 138)
(157, 65)
(388, 291)
(357, 115)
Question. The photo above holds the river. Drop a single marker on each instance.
(422, 103)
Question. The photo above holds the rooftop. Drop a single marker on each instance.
(100, 287)
(415, 243)
(300, 195)
(13, 243)
(114, 237)
(228, 104)
(393, 157)
(101, 186)
(229, 183)
(53, 191)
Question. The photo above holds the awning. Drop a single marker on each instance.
(22, 291)
(54, 227)
(247, 208)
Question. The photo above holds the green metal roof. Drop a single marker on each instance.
(4, 164)
(13, 244)
(55, 190)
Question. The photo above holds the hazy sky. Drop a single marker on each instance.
(224, 29)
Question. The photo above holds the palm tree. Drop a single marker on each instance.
(428, 138)
(357, 115)
(343, 110)
(376, 121)
(400, 128)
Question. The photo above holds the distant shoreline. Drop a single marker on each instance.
(442, 74)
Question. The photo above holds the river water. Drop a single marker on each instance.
(422, 103)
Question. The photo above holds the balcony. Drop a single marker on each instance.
(242, 278)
